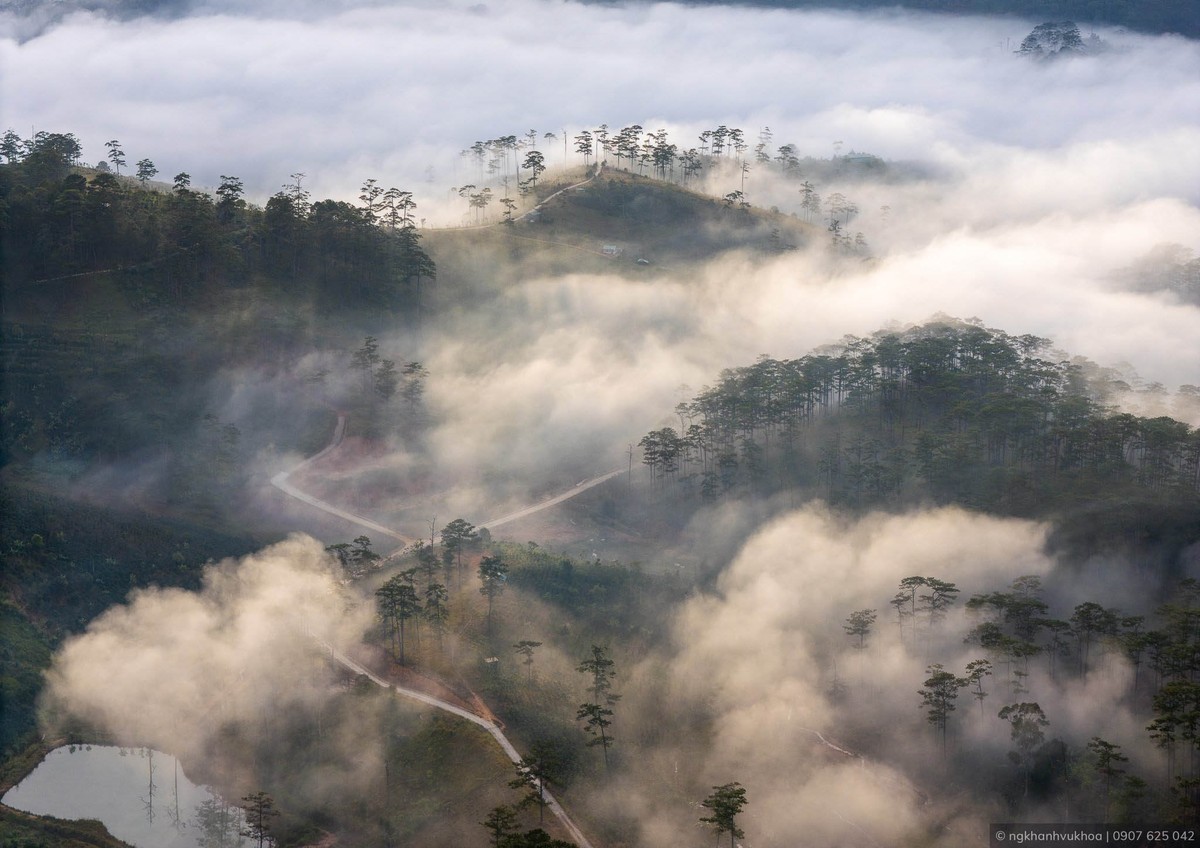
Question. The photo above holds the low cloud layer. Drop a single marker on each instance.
(766, 652)
(175, 669)
(356, 90)
(747, 690)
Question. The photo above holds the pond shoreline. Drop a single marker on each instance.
(79, 831)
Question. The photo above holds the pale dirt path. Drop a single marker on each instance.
(557, 193)
(486, 724)
(577, 489)
(280, 481)
(488, 225)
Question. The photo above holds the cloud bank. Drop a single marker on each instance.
(766, 657)
(349, 91)
(175, 669)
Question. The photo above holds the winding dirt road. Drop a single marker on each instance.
(490, 726)
(280, 481)
(577, 489)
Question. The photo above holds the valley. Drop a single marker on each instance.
(808, 456)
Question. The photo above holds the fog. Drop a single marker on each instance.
(1019, 195)
(176, 670)
(233, 88)
(758, 682)
(766, 656)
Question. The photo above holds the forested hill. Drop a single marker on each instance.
(948, 411)
(189, 246)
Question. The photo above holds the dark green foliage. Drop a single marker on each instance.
(493, 577)
(938, 697)
(260, 814)
(501, 825)
(859, 624)
(131, 388)
(726, 803)
(189, 246)
(538, 838)
(357, 559)
(1106, 758)
(398, 603)
(595, 714)
(636, 203)
(457, 536)
(1147, 528)
(600, 667)
(596, 719)
(605, 599)
(1026, 725)
(948, 411)
(1051, 39)
(91, 557)
(24, 656)
(1016, 625)
(22, 830)
(534, 773)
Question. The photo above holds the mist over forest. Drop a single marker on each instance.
(777, 423)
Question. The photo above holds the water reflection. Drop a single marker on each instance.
(141, 795)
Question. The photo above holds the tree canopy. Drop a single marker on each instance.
(948, 410)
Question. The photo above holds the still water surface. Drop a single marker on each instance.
(141, 795)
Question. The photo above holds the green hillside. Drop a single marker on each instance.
(166, 353)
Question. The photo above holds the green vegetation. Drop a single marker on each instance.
(65, 562)
(127, 307)
(1034, 651)
(190, 247)
(131, 304)
(951, 412)
(24, 655)
(726, 803)
(609, 600)
(21, 830)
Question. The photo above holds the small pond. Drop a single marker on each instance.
(141, 795)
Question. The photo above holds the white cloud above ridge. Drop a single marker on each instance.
(350, 92)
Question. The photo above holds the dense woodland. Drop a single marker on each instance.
(126, 299)
(952, 412)
(60, 222)
(949, 411)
